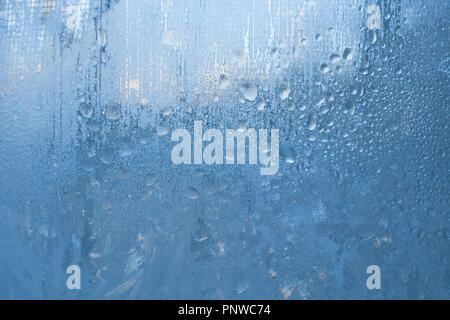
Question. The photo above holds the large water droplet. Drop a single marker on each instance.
(291, 106)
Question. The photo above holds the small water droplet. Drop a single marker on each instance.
(93, 126)
(113, 112)
(248, 90)
(285, 90)
(312, 122)
(101, 38)
(224, 82)
(335, 58)
(260, 105)
(86, 110)
(330, 96)
(348, 54)
(324, 68)
(126, 149)
(372, 36)
(191, 193)
(162, 128)
(106, 156)
(289, 155)
(104, 57)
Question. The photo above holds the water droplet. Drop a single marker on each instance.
(104, 57)
(330, 96)
(224, 82)
(285, 90)
(260, 105)
(106, 156)
(289, 155)
(241, 288)
(364, 70)
(372, 36)
(291, 106)
(191, 193)
(101, 38)
(210, 187)
(318, 37)
(312, 122)
(113, 112)
(335, 58)
(324, 68)
(274, 53)
(162, 128)
(167, 112)
(93, 126)
(248, 90)
(348, 54)
(86, 110)
(145, 103)
(126, 149)
(349, 107)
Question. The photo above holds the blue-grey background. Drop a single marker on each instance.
(363, 179)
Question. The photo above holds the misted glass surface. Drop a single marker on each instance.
(93, 92)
